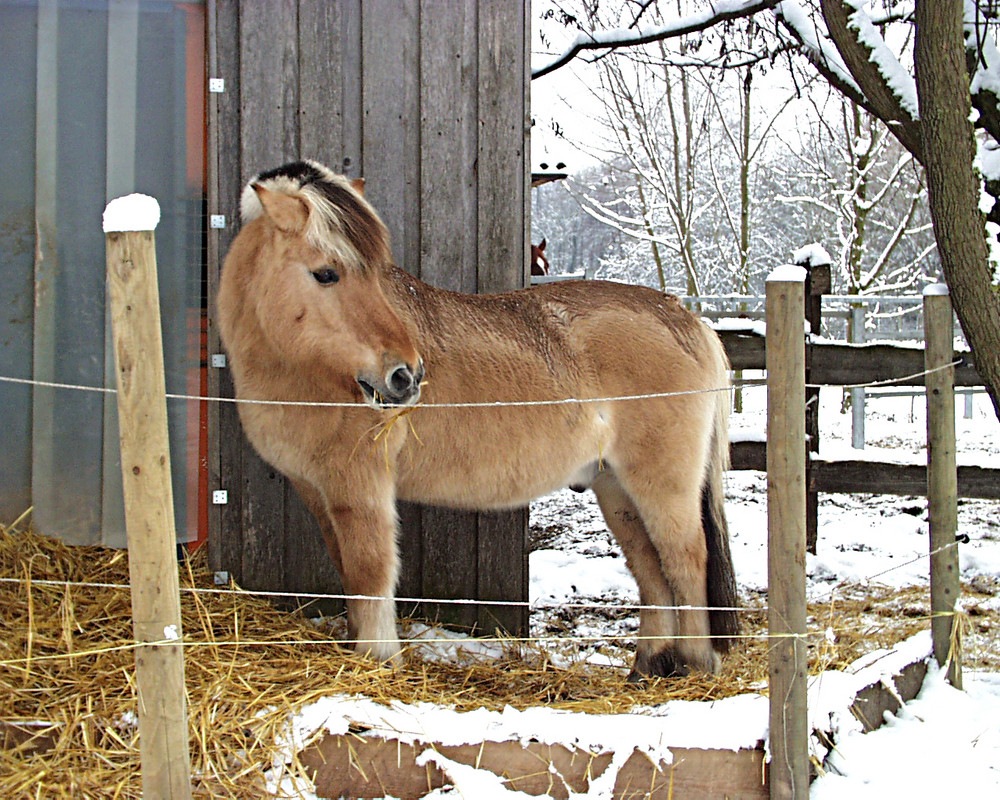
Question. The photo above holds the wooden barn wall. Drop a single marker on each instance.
(427, 100)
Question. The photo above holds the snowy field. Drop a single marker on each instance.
(868, 545)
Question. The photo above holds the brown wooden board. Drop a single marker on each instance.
(900, 479)
(875, 477)
(873, 702)
(397, 99)
(833, 364)
(355, 766)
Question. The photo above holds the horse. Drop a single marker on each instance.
(539, 263)
(371, 364)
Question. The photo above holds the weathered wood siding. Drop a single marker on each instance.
(428, 102)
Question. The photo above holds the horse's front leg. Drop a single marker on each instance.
(366, 539)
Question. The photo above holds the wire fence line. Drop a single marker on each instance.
(481, 404)
(817, 634)
(498, 640)
(530, 605)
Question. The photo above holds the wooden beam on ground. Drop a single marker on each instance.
(370, 767)
(873, 702)
(149, 507)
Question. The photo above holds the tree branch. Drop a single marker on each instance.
(857, 56)
(719, 11)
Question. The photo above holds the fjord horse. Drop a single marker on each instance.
(313, 309)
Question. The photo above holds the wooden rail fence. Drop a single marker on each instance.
(844, 365)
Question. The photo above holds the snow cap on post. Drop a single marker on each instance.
(788, 272)
(935, 289)
(812, 255)
(134, 212)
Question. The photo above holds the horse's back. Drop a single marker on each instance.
(636, 332)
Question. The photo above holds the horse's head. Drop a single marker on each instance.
(312, 255)
(539, 263)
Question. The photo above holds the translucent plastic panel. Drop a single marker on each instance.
(107, 101)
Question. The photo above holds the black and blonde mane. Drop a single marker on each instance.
(337, 211)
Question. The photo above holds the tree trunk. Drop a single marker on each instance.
(952, 183)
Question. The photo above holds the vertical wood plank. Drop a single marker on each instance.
(269, 81)
(382, 139)
(320, 104)
(448, 256)
(391, 122)
(449, 563)
(503, 228)
(149, 515)
(818, 283)
(226, 439)
(786, 529)
(448, 106)
(503, 138)
(268, 137)
(502, 569)
(942, 477)
(320, 111)
(352, 112)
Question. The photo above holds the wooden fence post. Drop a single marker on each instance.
(818, 282)
(942, 477)
(149, 508)
(858, 395)
(786, 534)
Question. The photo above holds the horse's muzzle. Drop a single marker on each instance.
(399, 387)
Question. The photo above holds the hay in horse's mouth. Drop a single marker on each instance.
(374, 398)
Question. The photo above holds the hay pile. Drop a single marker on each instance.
(68, 696)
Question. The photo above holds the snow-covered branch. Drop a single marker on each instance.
(717, 12)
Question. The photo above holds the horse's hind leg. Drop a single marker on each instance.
(655, 648)
(668, 498)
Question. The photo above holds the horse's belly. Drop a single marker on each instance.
(500, 467)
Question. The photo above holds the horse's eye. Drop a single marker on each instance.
(326, 276)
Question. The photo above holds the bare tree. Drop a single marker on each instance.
(956, 67)
(847, 175)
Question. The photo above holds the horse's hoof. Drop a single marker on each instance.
(385, 656)
(657, 665)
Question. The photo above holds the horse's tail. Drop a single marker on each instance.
(722, 594)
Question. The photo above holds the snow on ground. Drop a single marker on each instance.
(941, 740)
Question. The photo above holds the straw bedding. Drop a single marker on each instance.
(68, 695)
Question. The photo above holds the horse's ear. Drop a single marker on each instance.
(359, 185)
(541, 245)
(288, 213)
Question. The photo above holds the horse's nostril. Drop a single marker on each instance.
(401, 380)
